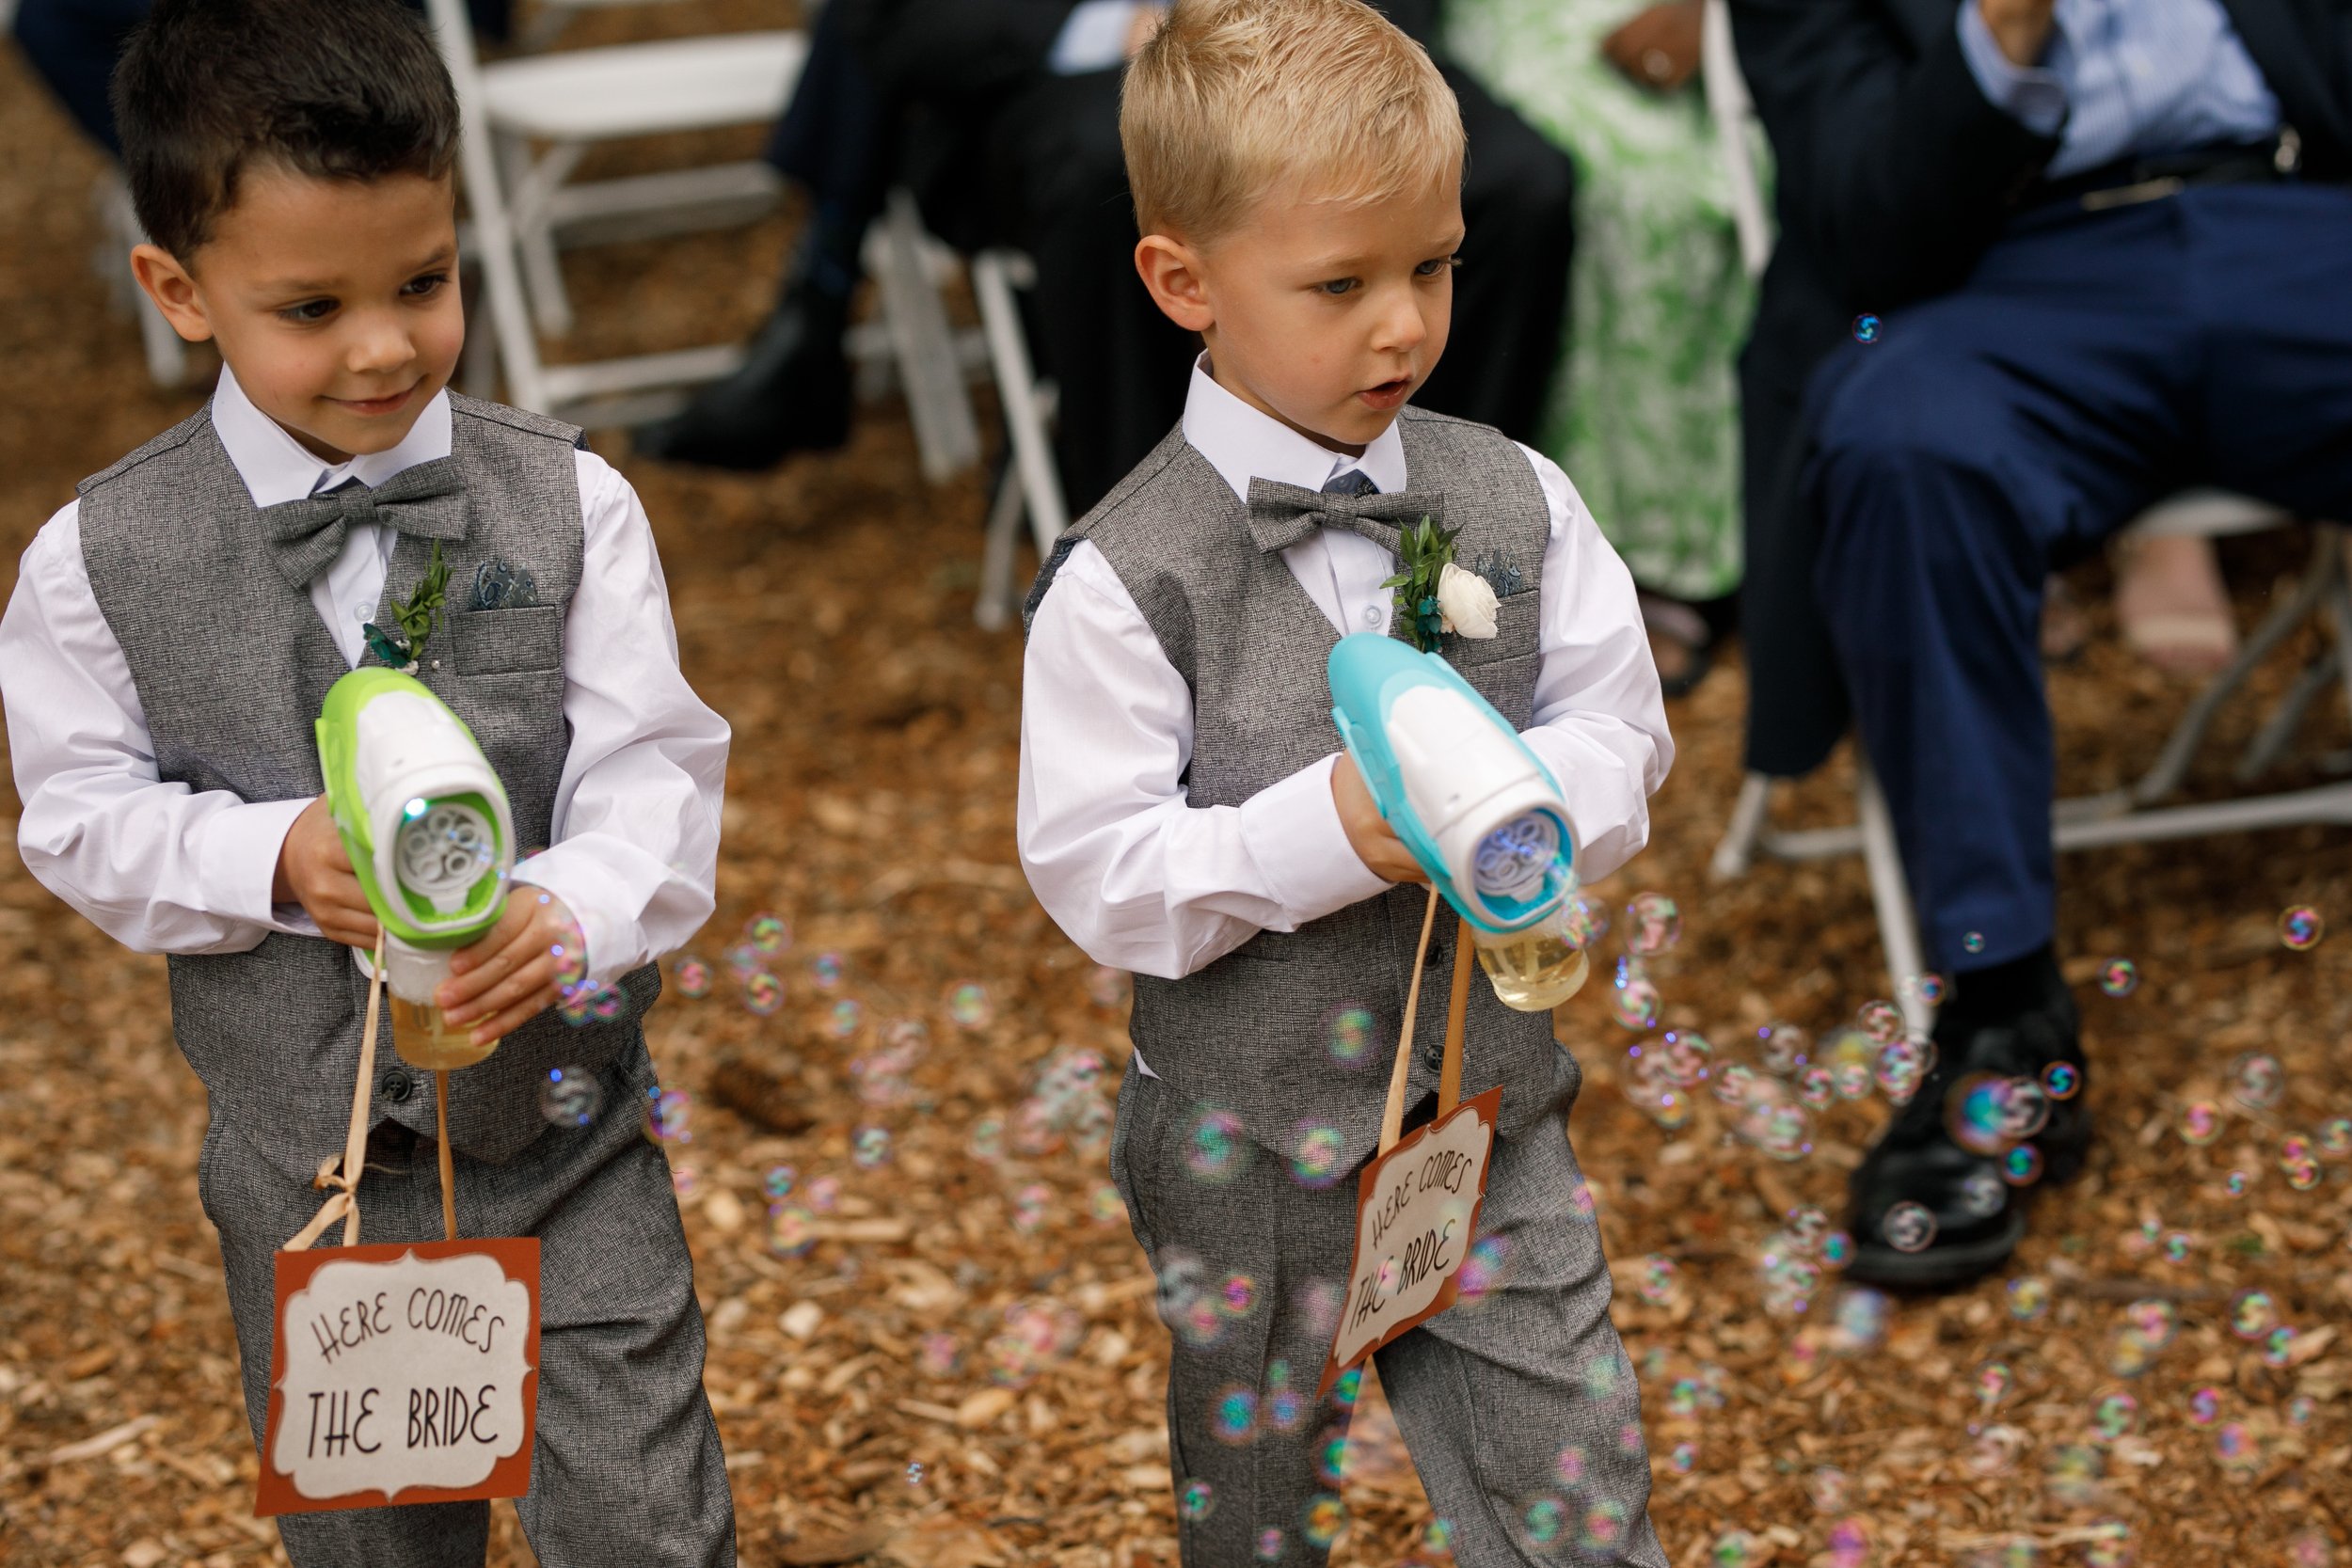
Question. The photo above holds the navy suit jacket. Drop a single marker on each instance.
(1894, 174)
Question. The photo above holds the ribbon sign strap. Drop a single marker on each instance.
(344, 1204)
(1417, 1202)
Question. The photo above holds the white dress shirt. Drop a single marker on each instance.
(1140, 879)
(164, 869)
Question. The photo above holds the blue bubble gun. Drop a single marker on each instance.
(1484, 816)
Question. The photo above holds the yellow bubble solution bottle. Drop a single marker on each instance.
(427, 822)
(1535, 970)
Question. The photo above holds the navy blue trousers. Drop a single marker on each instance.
(2092, 364)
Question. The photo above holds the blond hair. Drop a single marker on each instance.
(1233, 98)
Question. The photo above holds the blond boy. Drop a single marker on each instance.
(1297, 168)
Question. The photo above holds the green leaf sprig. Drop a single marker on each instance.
(416, 616)
(1424, 551)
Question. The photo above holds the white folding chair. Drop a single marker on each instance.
(118, 221)
(2133, 815)
(574, 100)
(1032, 487)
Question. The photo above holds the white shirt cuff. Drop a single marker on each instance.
(2031, 96)
(237, 863)
(1292, 830)
(576, 880)
(1094, 38)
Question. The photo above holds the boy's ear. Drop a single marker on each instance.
(168, 283)
(1171, 270)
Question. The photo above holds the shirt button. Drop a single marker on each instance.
(1372, 614)
(359, 612)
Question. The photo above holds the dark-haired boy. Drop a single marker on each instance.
(170, 638)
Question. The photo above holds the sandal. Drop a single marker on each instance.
(1677, 626)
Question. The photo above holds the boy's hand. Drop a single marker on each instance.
(510, 977)
(1368, 832)
(314, 870)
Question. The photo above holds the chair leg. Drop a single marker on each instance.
(535, 237)
(1898, 930)
(997, 601)
(993, 278)
(1736, 851)
(945, 433)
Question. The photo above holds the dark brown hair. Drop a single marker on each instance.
(336, 90)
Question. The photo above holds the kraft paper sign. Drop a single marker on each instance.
(405, 1373)
(1416, 1216)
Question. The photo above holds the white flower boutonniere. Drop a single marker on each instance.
(1467, 601)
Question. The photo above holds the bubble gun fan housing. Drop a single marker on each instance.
(427, 822)
(1478, 810)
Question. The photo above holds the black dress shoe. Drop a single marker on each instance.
(2021, 1028)
(790, 394)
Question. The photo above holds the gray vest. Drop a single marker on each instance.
(231, 664)
(1253, 1033)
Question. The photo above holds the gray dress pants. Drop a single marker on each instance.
(1518, 1405)
(626, 1470)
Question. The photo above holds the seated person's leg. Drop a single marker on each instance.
(792, 391)
(1987, 436)
(1120, 365)
(1511, 296)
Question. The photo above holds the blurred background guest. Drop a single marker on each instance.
(2105, 250)
(1004, 119)
(1643, 410)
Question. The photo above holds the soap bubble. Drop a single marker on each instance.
(1031, 1205)
(2309, 1548)
(1234, 1414)
(1980, 1193)
(2177, 1247)
(2021, 1165)
(1038, 1332)
(1817, 1086)
(871, 1146)
(1782, 1049)
(824, 971)
(1271, 1544)
(2300, 927)
(987, 1139)
(767, 933)
(2115, 1416)
(745, 959)
(1196, 1502)
(1903, 1065)
(2205, 1405)
(1315, 1149)
(1587, 922)
(1735, 1083)
(915, 1473)
(791, 1231)
(2118, 978)
(2200, 1123)
(1632, 1000)
(1880, 1021)
(1850, 1079)
(1542, 1520)
(1107, 986)
(843, 1020)
(2253, 1314)
(1850, 1543)
(1909, 1226)
(1347, 1033)
(2071, 1475)
(1979, 1115)
(2237, 1183)
(1734, 1548)
(1868, 328)
(2234, 1446)
(2335, 1138)
(1828, 1487)
(2279, 1347)
(968, 1004)
(1659, 1279)
(2029, 1298)
(1683, 1056)
(693, 976)
(1973, 942)
(684, 1180)
(570, 1097)
(1836, 1249)
(1216, 1147)
(2302, 1174)
(1324, 1518)
(1926, 989)
(2257, 1081)
(1604, 1521)
(2111, 1545)
(824, 1193)
(1486, 1269)
(940, 1355)
(778, 1183)
(1653, 924)
(763, 993)
(2062, 1080)
(668, 1114)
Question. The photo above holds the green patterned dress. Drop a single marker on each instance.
(1645, 411)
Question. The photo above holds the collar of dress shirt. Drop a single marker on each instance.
(276, 467)
(1242, 444)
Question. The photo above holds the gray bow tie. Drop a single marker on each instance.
(1282, 515)
(305, 536)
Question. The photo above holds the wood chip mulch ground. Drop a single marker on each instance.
(937, 1348)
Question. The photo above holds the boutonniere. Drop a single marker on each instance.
(1434, 596)
(416, 616)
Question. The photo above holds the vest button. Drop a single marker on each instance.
(1433, 1055)
(397, 1087)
